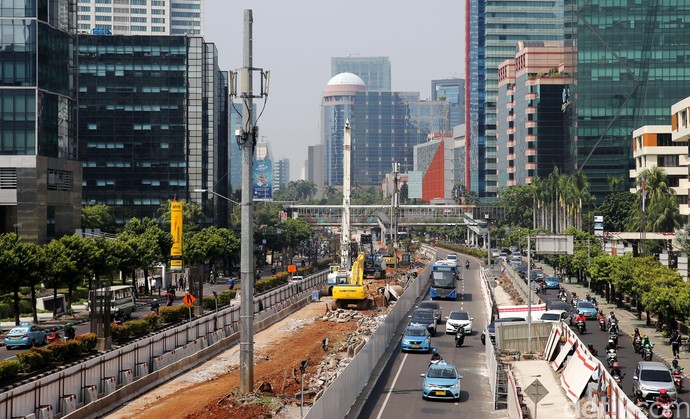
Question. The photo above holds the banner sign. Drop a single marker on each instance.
(263, 180)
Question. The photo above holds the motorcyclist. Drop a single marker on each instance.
(613, 327)
(119, 316)
(675, 367)
(646, 344)
(591, 349)
(636, 334)
(70, 333)
(581, 318)
(640, 401)
(663, 398)
(611, 319)
(610, 345)
(616, 371)
(467, 264)
(460, 336)
(435, 356)
(155, 305)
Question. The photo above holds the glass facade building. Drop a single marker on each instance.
(40, 176)
(142, 17)
(281, 174)
(636, 86)
(374, 71)
(494, 29)
(453, 91)
(153, 123)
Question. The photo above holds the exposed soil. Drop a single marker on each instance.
(278, 353)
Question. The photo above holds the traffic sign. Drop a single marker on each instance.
(292, 268)
(536, 391)
(188, 299)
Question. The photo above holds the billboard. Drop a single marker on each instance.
(176, 232)
(414, 184)
(262, 181)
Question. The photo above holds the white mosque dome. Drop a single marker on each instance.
(345, 78)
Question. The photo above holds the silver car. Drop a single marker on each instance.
(650, 377)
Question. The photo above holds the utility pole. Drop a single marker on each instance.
(246, 138)
(394, 214)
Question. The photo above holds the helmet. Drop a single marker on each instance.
(675, 362)
(615, 365)
(434, 350)
(70, 324)
(610, 342)
(580, 313)
(637, 330)
(590, 346)
(638, 393)
(663, 391)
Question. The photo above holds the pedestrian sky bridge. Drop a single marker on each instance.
(384, 215)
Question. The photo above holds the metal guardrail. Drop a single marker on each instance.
(85, 381)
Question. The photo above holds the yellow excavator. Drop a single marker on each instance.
(350, 290)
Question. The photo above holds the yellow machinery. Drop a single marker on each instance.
(351, 290)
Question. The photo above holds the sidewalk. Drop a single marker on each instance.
(627, 322)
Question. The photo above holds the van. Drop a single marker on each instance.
(118, 297)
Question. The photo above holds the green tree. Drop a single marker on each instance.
(60, 269)
(294, 232)
(98, 216)
(192, 216)
(616, 209)
(661, 207)
(518, 204)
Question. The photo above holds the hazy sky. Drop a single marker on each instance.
(295, 40)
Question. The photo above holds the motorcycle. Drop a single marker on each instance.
(678, 379)
(581, 327)
(611, 357)
(647, 354)
(665, 409)
(52, 336)
(617, 378)
(602, 322)
(637, 344)
(467, 265)
(459, 337)
(614, 337)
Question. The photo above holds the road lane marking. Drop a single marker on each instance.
(390, 390)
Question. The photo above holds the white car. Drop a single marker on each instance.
(554, 316)
(459, 318)
(296, 278)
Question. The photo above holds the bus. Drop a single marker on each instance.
(443, 278)
(120, 297)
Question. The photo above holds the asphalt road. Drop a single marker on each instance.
(627, 358)
(398, 392)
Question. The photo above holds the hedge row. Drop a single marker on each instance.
(478, 253)
(57, 351)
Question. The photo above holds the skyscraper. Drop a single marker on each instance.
(147, 134)
(40, 175)
(142, 17)
(452, 91)
(492, 32)
(632, 66)
(374, 71)
(281, 174)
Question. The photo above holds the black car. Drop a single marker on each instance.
(491, 328)
(522, 270)
(435, 306)
(424, 317)
(558, 305)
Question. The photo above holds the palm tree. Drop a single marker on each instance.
(661, 207)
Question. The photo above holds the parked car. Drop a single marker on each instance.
(552, 282)
(441, 381)
(491, 328)
(416, 338)
(435, 306)
(650, 377)
(26, 334)
(554, 316)
(424, 317)
(457, 319)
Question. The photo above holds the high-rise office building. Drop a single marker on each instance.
(142, 17)
(632, 66)
(492, 32)
(314, 167)
(40, 175)
(385, 128)
(452, 91)
(530, 120)
(374, 71)
(152, 123)
(281, 174)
